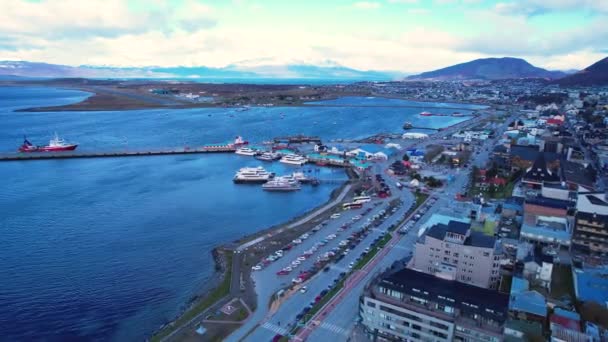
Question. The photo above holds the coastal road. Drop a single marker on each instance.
(263, 326)
(340, 317)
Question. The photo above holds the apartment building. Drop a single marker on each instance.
(413, 306)
(455, 252)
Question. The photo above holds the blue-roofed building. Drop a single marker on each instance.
(519, 285)
(591, 284)
(528, 305)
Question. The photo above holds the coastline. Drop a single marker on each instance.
(169, 330)
(104, 98)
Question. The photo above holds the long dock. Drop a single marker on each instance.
(109, 154)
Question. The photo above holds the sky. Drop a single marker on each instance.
(393, 35)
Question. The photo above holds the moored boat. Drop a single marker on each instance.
(281, 184)
(293, 159)
(252, 175)
(56, 144)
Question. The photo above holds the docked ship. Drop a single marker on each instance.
(426, 114)
(282, 184)
(407, 125)
(238, 141)
(267, 156)
(56, 144)
(302, 178)
(293, 159)
(252, 175)
(245, 151)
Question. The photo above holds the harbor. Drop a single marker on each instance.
(143, 201)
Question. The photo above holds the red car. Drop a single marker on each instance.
(277, 338)
(282, 272)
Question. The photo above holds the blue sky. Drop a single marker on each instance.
(397, 35)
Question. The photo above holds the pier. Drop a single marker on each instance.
(297, 139)
(111, 154)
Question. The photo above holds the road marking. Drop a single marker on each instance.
(334, 328)
(274, 328)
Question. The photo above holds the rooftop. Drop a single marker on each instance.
(529, 302)
(592, 203)
(484, 302)
(475, 239)
(591, 284)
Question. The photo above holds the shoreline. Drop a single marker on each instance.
(221, 266)
(127, 99)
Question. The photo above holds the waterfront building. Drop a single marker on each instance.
(453, 251)
(590, 235)
(413, 306)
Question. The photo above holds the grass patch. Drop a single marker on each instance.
(216, 294)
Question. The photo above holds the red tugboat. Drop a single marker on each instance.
(55, 145)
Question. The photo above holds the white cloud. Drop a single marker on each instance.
(536, 7)
(108, 32)
(402, 1)
(366, 5)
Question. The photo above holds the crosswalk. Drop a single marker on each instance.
(274, 328)
(334, 328)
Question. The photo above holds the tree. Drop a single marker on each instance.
(406, 157)
(594, 312)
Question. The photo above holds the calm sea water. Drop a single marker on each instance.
(109, 249)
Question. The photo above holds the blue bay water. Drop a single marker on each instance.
(109, 249)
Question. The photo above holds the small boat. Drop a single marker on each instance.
(245, 151)
(407, 125)
(426, 114)
(267, 156)
(56, 144)
(281, 184)
(293, 159)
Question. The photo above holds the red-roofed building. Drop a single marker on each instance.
(566, 319)
(554, 122)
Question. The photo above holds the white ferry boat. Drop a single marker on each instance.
(252, 175)
(293, 159)
(281, 184)
(245, 151)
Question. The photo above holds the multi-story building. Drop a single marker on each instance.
(590, 235)
(413, 306)
(455, 252)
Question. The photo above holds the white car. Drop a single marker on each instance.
(256, 268)
(297, 241)
(335, 216)
(296, 280)
(301, 258)
(303, 289)
(351, 265)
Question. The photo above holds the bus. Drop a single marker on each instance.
(362, 199)
(353, 205)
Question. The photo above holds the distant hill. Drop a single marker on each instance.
(596, 74)
(489, 69)
(202, 73)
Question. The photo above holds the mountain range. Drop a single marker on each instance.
(595, 74)
(12, 69)
(489, 69)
